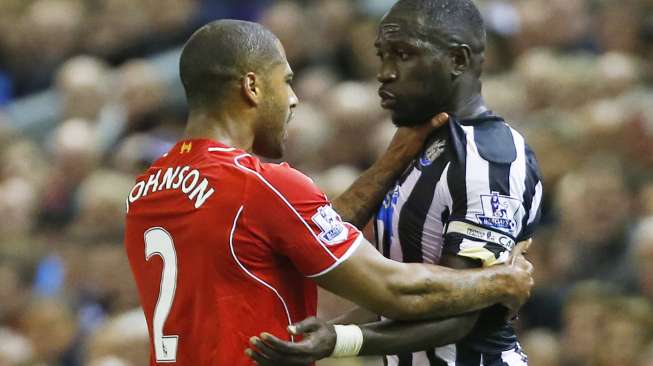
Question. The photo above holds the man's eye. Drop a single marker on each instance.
(402, 55)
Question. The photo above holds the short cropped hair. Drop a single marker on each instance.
(458, 19)
(223, 51)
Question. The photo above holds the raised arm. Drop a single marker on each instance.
(357, 204)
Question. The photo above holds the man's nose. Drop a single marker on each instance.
(294, 100)
(387, 73)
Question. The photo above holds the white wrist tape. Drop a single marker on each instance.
(349, 340)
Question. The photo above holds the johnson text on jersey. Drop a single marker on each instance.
(189, 181)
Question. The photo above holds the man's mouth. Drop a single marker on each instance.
(388, 100)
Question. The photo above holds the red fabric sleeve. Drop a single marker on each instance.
(296, 219)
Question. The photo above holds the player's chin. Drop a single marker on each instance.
(407, 120)
(276, 153)
(270, 150)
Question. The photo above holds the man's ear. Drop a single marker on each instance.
(250, 86)
(461, 59)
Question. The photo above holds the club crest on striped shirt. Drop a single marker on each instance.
(432, 152)
(332, 229)
(499, 212)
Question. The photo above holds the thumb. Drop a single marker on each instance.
(520, 249)
(305, 326)
(439, 120)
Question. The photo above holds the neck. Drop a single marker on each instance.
(469, 102)
(223, 127)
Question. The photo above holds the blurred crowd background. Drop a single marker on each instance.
(87, 100)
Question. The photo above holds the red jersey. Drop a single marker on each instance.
(222, 245)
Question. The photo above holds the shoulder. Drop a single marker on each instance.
(281, 178)
(494, 140)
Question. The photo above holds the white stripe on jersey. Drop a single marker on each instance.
(513, 358)
(537, 198)
(404, 193)
(477, 176)
(221, 149)
(518, 176)
(432, 232)
(447, 354)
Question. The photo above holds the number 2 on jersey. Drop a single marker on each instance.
(159, 242)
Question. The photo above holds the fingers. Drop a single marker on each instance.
(305, 326)
(439, 120)
(258, 358)
(261, 359)
(264, 349)
(265, 354)
(298, 348)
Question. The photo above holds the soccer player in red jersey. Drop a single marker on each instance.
(224, 246)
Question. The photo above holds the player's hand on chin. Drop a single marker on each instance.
(410, 140)
(319, 339)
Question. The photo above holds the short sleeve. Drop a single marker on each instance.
(490, 221)
(532, 197)
(296, 220)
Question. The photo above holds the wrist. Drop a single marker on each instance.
(403, 151)
(500, 282)
(349, 340)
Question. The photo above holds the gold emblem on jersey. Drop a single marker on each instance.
(186, 147)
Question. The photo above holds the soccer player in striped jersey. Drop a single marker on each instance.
(472, 194)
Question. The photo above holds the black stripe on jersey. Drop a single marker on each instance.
(494, 141)
(467, 357)
(416, 208)
(456, 176)
(435, 360)
(532, 177)
(495, 144)
(499, 178)
(405, 359)
(490, 359)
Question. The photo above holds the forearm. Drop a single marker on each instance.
(357, 204)
(389, 337)
(434, 291)
(357, 315)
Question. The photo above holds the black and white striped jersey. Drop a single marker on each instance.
(474, 192)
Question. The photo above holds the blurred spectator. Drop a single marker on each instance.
(643, 256)
(74, 157)
(84, 85)
(626, 328)
(584, 311)
(50, 326)
(124, 337)
(542, 347)
(15, 349)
